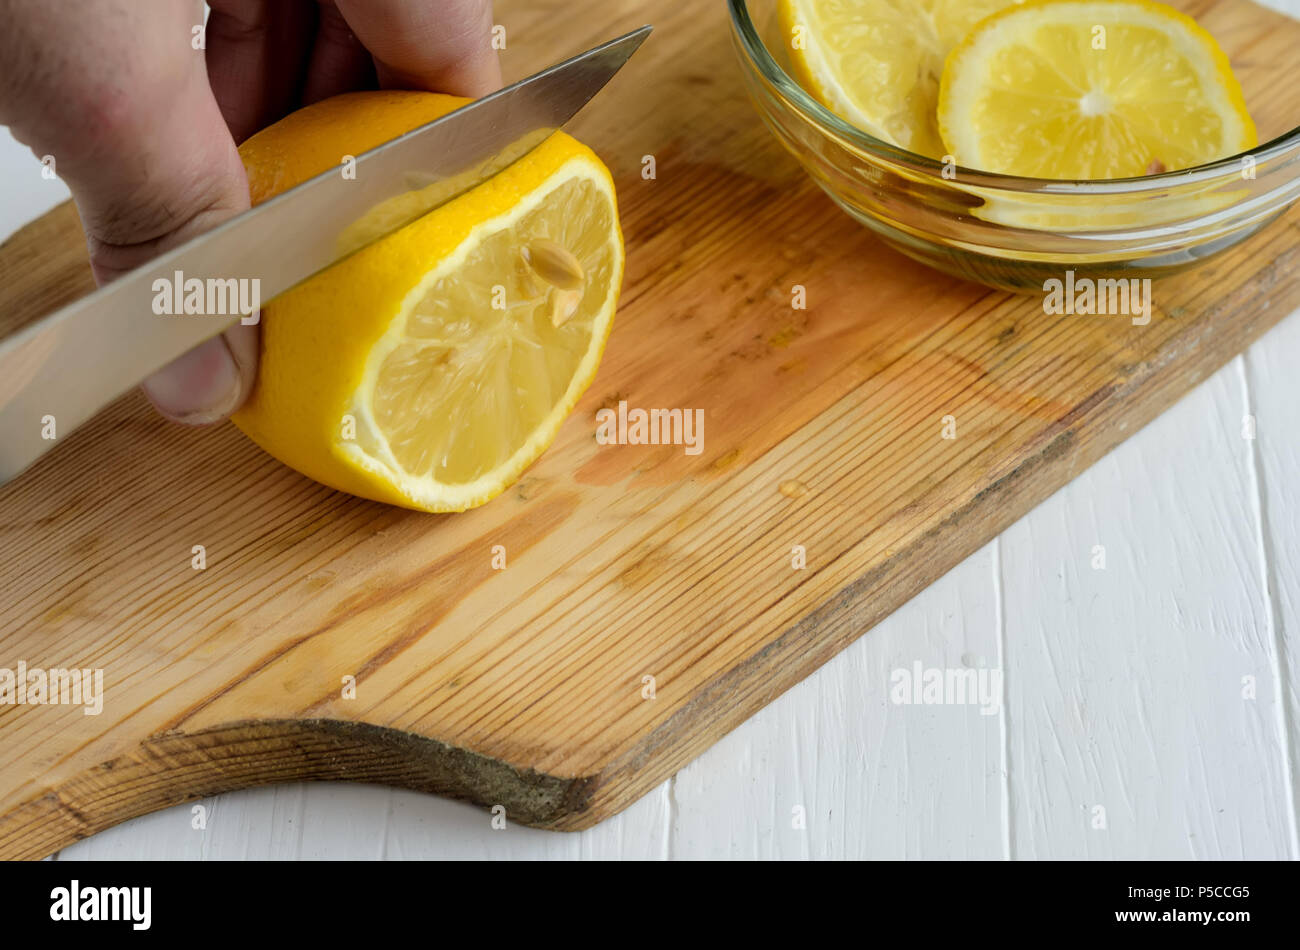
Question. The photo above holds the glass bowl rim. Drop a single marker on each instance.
(1286, 145)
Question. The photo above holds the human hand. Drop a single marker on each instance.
(143, 127)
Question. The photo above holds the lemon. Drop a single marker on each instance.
(877, 63)
(1089, 89)
(433, 366)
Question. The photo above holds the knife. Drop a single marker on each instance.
(58, 371)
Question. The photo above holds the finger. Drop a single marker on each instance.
(210, 381)
(166, 171)
(121, 99)
(439, 45)
(256, 53)
(171, 173)
(339, 63)
(214, 379)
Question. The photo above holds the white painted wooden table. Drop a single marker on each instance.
(1126, 728)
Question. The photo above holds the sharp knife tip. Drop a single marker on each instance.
(636, 37)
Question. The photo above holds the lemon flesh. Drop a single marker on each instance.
(878, 63)
(433, 366)
(1091, 90)
(475, 375)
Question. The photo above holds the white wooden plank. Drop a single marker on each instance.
(424, 826)
(163, 835)
(1126, 690)
(25, 193)
(1289, 7)
(305, 820)
(875, 779)
(340, 821)
(1273, 387)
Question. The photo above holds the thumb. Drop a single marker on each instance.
(163, 170)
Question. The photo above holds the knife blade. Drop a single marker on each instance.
(56, 372)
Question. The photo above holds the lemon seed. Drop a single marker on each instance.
(554, 264)
(564, 304)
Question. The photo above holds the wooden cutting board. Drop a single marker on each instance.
(525, 687)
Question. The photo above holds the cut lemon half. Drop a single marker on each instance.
(1091, 89)
(432, 367)
(877, 63)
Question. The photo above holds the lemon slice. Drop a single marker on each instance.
(1091, 89)
(877, 63)
(431, 368)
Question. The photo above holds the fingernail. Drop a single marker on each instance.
(200, 387)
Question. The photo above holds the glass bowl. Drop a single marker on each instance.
(1016, 233)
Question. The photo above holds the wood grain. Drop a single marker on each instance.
(523, 687)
